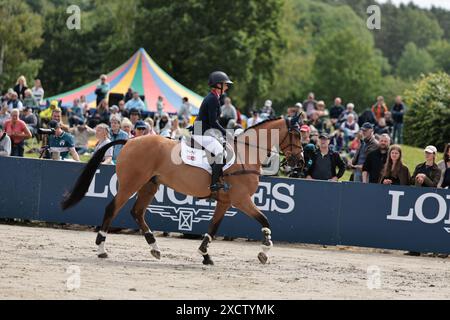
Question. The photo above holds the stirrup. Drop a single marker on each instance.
(216, 187)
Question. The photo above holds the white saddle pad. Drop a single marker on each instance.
(197, 157)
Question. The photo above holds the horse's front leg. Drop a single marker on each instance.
(219, 213)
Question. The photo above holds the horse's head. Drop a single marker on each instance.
(291, 145)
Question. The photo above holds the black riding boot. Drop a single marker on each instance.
(216, 174)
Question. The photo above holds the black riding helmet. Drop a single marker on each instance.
(218, 77)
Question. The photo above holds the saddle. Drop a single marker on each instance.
(196, 155)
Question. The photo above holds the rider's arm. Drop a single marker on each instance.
(214, 119)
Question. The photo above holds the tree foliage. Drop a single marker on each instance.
(414, 62)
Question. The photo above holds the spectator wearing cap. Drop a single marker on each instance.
(102, 89)
(5, 143)
(326, 164)
(102, 133)
(350, 128)
(427, 174)
(254, 120)
(398, 111)
(376, 160)
(115, 112)
(76, 116)
(117, 134)
(30, 119)
(267, 111)
(305, 132)
(82, 133)
(61, 143)
(368, 144)
(444, 166)
(336, 111)
(379, 109)
(310, 104)
(135, 103)
(395, 172)
(140, 129)
(18, 131)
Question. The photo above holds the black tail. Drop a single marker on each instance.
(85, 179)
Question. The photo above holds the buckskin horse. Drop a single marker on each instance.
(146, 162)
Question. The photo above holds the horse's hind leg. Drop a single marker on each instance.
(219, 213)
(144, 198)
(111, 212)
(248, 207)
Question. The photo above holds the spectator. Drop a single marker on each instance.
(444, 166)
(368, 144)
(102, 89)
(57, 116)
(317, 122)
(176, 132)
(398, 111)
(61, 143)
(136, 103)
(46, 115)
(160, 105)
(15, 103)
(127, 126)
(5, 143)
(337, 141)
(115, 112)
(381, 127)
(122, 110)
(29, 101)
(185, 112)
(82, 133)
(295, 110)
(18, 131)
(38, 92)
(117, 134)
(350, 128)
(102, 133)
(376, 160)
(4, 114)
(254, 120)
(321, 109)
(325, 162)
(30, 119)
(129, 95)
(267, 111)
(135, 116)
(355, 144)
(151, 126)
(163, 126)
(305, 132)
(101, 115)
(228, 112)
(395, 172)
(336, 111)
(84, 104)
(76, 116)
(379, 109)
(427, 174)
(21, 87)
(140, 128)
(310, 104)
(350, 110)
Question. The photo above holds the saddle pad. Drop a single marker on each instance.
(196, 157)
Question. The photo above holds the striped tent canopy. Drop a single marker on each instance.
(143, 75)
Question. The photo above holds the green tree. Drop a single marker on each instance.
(20, 33)
(440, 51)
(414, 62)
(348, 67)
(427, 121)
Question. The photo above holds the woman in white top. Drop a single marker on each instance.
(102, 134)
(38, 91)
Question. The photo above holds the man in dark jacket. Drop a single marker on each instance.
(368, 144)
(325, 162)
(376, 160)
(398, 111)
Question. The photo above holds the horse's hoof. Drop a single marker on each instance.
(207, 261)
(156, 254)
(103, 255)
(263, 258)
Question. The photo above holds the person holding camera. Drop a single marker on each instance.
(61, 143)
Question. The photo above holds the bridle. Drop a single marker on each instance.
(294, 160)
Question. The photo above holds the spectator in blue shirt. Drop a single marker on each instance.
(135, 103)
(61, 142)
(102, 89)
(117, 134)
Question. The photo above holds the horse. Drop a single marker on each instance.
(147, 162)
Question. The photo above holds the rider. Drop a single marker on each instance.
(207, 119)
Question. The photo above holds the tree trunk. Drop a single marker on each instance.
(2, 57)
